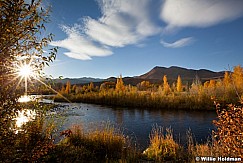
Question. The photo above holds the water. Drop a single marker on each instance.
(137, 123)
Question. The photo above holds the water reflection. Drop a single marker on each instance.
(22, 117)
(24, 98)
(139, 122)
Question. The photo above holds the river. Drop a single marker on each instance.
(137, 123)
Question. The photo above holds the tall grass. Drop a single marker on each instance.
(143, 100)
(101, 145)
(162, 146)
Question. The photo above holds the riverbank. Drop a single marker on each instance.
(143, 100)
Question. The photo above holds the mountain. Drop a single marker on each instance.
(83, 80)
(153, 76)
(172, 73)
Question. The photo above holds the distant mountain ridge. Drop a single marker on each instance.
(83, 80)
(155, 75)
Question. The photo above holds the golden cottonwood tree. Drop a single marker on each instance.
(119, 84)
(226, 79)
(237, 77)
(166, 86)
(68, 87)
(179, 84)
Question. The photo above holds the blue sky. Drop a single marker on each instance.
(103, 38)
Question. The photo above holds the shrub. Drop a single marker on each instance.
(162, 147)
(229, 133)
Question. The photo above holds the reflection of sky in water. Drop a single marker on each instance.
(139, 122)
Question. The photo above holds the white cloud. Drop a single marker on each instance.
(200, 13)
(123, 22)
(79, 46)
(130, 22)
(179, 43)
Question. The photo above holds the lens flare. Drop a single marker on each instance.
(25, 71)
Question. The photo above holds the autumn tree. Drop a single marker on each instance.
(206, 84)
(166, 86)
(179, 84)
(144, 85)
(74, 88)
(237, 77)
(22, 39)
(119, 84)
(226, 79)
(91, 86)
(63, 89)
(68, 87)
(212, 83)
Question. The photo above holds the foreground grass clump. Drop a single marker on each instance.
(106, 144)
(163, 147)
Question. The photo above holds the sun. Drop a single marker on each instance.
(25, 71)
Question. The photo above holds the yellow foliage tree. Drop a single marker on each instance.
(206, 84)
(212, 83)
(63, 89)
(119, 84)
(166, 86)
(226, 79)
(68, 87)
(238, 77)
(74, 88)
(179, 84)
(144, 85)
(91, 86)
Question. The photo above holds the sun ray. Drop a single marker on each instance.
(54, 90)
(24, 71)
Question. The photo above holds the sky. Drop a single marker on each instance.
(104, 38)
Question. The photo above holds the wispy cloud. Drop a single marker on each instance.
(79, 46)
(200, 13)
(179, 43)
(130, 22)
(123, 22)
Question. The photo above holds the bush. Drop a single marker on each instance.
(162, 147)
(229, 133)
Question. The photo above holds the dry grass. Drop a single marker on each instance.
(101, 144)
(162, 147)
